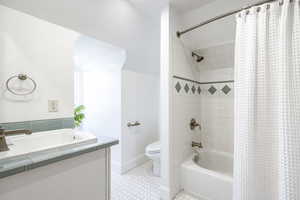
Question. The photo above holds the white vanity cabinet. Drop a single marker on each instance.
(82, 177)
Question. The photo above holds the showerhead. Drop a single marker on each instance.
(197, 57)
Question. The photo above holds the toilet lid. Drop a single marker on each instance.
(153, 148)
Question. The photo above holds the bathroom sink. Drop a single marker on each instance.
(46, 141)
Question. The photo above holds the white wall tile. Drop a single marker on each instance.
(217, 111)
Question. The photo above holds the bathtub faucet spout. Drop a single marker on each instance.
(197, 144)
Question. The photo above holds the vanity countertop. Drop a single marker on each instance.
(13, 166)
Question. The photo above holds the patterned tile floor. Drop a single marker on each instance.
(183, 196)
(139, 184)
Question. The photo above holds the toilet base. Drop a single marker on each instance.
(156, 167)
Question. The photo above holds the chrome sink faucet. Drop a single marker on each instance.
(3, 133)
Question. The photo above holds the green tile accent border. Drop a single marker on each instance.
(41, 125)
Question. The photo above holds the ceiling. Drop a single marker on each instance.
(187, 5)
(117, 22)
(215, 33)
(153, 8)
(93, 55)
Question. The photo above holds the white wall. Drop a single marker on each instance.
(42, 50)
(101, 96)
(185, 105)
(176, 109)
(102, 99)
(140, 95)
(98, 87)
(113, 97)
(216, 57)
(165, 105)
(117, 22)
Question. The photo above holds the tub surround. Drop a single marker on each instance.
(14, 166)
(212, 95)
(217, 110)
(203, 95)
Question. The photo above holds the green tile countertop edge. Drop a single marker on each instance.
(12, 167)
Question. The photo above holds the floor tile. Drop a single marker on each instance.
(139, 184)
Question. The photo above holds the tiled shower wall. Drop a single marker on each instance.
(186, 106)
(186, 101)
(211, 104)
(217, 110)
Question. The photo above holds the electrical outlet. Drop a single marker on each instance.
(52, 105)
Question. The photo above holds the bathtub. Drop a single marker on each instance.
(208, 175)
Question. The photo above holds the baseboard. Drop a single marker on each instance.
(165, 193)
(137, 161)
(197, 196)
(116, 167)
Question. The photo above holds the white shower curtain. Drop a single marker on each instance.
(267, 103)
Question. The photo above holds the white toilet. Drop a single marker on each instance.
(153, 152)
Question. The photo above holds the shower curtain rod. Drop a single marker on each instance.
(179, 33)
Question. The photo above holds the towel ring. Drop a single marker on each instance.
(22, 77)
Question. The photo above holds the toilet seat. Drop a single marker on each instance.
(153, 148)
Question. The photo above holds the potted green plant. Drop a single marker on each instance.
(79, 115)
